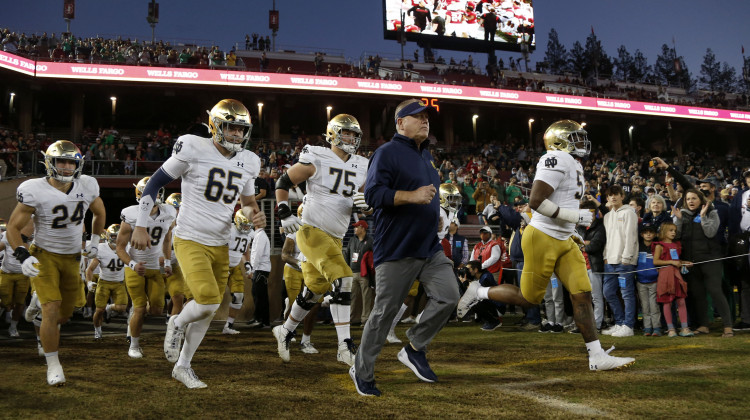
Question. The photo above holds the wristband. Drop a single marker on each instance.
(21, 253)
(132, 264)
(248, 267)
(284, 210)
(547, 208)
(167, 263)
(95, 241)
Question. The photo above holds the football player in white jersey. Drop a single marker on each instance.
(239, 257)
(335, 181)
(550, 244)
(173, 280)
(450, 201)
(143, 276)
(14, 285)
(111, 280)
(215, 172)
(58, 203)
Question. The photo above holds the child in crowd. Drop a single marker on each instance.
(670, 285)
(646, 282)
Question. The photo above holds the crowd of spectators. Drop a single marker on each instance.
(67, 47)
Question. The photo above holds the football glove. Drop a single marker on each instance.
(289, 222)
(91, 250)
(28, 268)
(359, 200)
(585, 217)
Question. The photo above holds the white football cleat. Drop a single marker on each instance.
(55, 375)
(135, 353)
(347, 352)
(229, 331)
(308, 348)
(392, 338)
(97, 335)
(468, 300)
(187, 377)
(283, 337)
(13, 332)
(603, 361)
(173, 340)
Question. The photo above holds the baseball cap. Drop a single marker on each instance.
(485, 229)
(414, 107)
(360, 223)
(520, 202)
(648, 226)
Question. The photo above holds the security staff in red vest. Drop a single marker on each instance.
(489, 252)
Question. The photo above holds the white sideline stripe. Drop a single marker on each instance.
(574, 408)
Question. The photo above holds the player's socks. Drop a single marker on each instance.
(305, 338)
(483, 292)
(194, 311)
(134, 341)
(194, 334)
(341, 315)
(594, 347)
(296, 316)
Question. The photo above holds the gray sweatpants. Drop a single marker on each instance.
(649, 307)
(393, 279)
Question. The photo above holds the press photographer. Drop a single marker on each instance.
(486, 310)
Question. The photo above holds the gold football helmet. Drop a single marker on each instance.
(225, 114)
(3, 225)
(110, 235)
(450, 198)
(243, 224)
(174, 200)
(567, 136)
(65, 150)
(335, 133)
(141, 185)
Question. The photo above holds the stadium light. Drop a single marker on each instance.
(10, 103)
(114, 106)
(474, 125)
(260, 119)
(328, 113)
(630, 136)
(583, 124)
(12, 94)
(531, 138)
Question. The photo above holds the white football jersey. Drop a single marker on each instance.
(9, 263)
(564, 173)
(111, 265)
(328, 205)
(238, 245)
(211, 186)
(158, 226)
(446, 216)
(58, 217)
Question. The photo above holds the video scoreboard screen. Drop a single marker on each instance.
(464, 25)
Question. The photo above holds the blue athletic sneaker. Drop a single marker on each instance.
(367, 389)
(417, 362)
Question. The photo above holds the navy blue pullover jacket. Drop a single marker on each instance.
(408, 230)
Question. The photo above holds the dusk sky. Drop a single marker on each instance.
(356, 27)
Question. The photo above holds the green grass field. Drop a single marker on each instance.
(498, 374)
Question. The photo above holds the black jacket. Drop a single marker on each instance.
(595, 250)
